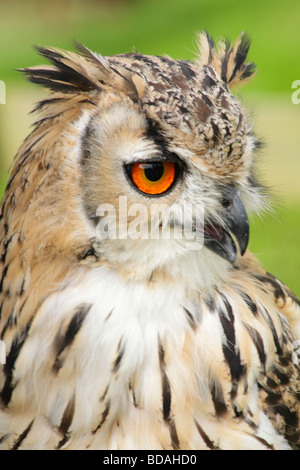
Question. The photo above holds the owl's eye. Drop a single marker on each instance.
(154, 178)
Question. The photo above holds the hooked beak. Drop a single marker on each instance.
(219, 240)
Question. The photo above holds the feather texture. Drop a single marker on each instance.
(226, 59)
(140, 343)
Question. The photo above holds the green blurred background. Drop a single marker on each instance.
(169, 27)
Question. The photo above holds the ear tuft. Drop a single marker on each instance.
(229, 61)
(85, 71)
(67, 72)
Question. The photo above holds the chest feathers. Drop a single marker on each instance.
(114, 364)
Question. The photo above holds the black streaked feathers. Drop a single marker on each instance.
(228, 60)
(66, 340)
(208, 442)
(167, 398)
(165, 384)
(22, 436)
(230, 348)
(63, 77)
(259, 344)
(8, 368)
(103, 417)
(240, 57)
(66, 422)
(218, 398)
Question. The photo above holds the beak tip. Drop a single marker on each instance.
(243, 241)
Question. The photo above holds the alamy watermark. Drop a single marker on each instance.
(2, 92)
(296, 94)
(151, 222)
(2, 352)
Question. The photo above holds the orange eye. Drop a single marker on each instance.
(153, 177)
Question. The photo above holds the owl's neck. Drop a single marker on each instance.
(163, 263)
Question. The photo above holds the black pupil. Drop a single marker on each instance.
(154, 171)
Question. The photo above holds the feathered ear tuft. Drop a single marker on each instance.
(75, 73)
(68, 73)
(227, 60)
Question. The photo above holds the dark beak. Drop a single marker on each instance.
(236, 221)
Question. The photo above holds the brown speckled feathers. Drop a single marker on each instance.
(137, 342)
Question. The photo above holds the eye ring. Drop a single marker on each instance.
(154, 178)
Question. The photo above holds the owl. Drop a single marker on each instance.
(133, 315)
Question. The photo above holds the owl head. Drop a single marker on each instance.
(142, 144)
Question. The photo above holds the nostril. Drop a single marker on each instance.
(225, 202)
